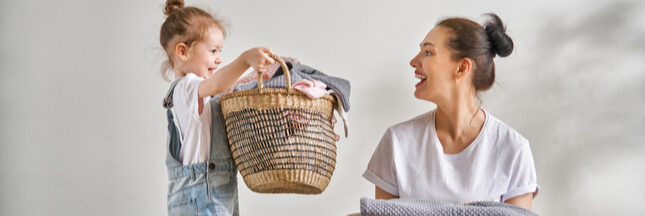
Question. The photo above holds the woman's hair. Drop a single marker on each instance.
(480, 44)
(183, 25)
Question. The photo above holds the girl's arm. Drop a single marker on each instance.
(227, 75)
(524, 201)
(381, 194)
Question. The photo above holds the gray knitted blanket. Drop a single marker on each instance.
(409, 207)
(299, 72)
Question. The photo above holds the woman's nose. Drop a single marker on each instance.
(414, 62)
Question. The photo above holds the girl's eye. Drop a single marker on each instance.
(214, 51)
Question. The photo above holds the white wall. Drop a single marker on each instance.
(82, 130)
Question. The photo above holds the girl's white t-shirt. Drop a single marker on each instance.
(409, 162)
(194, 128)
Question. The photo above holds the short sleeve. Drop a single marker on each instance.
(523, 175)
(381, 168)
(186, 95)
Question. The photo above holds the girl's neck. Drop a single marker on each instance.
(179, 72)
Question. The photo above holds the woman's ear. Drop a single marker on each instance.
(181, 50)
(464, 67)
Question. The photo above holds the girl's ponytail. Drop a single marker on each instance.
(172, 6)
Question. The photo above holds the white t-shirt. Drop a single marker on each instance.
(194, 128)
(409, 162)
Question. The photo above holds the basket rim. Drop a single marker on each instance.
(269, 91)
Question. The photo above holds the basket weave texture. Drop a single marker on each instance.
(282, 141)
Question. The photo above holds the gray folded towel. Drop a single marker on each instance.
(409, 207)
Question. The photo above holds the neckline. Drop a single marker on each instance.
(470, 146)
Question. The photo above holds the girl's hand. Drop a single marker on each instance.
(258, 58)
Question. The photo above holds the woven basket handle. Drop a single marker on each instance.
(285, 69)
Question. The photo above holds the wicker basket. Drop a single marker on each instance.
(281, 140)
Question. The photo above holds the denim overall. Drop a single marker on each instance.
(208, 188)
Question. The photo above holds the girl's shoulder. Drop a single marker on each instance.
(190, 77)
(188, 82)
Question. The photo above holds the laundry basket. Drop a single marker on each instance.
(282, 141)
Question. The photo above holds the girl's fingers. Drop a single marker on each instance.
(269, 60)
(265, 60)
(266, 50)
(263, 68)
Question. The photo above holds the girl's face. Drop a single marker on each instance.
(204, 55)
(434, 67)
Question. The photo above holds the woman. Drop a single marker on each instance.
(457, 152)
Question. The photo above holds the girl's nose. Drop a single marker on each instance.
(218, 60)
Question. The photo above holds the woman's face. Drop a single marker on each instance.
(434, 67)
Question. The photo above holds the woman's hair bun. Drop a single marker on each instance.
(501, 43)
(172, 6)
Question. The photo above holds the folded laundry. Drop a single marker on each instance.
(408, 207)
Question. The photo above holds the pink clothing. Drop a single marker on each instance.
(313, 88)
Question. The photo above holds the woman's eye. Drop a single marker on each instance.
(427, 53)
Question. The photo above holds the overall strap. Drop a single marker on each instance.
(167, 101)
(174, 142)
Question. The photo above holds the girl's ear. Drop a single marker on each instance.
(181, 50)
(464, 67)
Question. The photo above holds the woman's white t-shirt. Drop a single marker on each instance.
(194, 128)
(409, 162)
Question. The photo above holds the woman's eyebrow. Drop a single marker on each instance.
(426, 44)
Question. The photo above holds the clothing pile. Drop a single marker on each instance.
(410, 207)
(308, 80)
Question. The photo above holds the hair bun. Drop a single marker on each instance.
(172, 6)
(501, 43)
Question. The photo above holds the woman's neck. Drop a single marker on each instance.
(458, 122)
(458, 119)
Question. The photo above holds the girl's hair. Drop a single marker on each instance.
(481, 44)
(183, 25)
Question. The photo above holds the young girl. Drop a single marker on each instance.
(202, 175)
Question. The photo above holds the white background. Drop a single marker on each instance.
(82, 129)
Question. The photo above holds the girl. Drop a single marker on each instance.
(457, 152)
(202, 175)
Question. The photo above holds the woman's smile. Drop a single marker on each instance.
(421, 77)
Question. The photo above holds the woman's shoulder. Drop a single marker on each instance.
(504, 133)
(419, 122)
